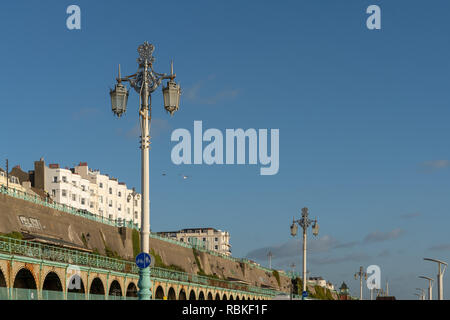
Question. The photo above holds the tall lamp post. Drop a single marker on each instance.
(440, 276)
(145, 81)
(422, 293)
(270, 255)
(361, 274)
(430, 286)
(304, 222)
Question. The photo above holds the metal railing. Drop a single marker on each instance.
(68, 209)
(34, 294)
(120, 223)
(46, 252)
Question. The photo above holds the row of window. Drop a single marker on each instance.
(92, 203)
(84, 188)
(12, 179)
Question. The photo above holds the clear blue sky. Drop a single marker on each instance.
(363, 118)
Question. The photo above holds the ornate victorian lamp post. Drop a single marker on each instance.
(304, 222)
(145, 81)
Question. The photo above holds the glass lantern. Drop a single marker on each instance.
(119, 98)
(171, 94)
(294, 229)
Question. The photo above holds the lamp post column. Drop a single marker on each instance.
(430, 291)
(304, 258)
(440, 284)
(360, 288)
(145, 118)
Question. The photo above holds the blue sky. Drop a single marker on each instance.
(363, 119)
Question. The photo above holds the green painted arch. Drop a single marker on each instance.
(97, 286)
(159, 293)
(115, 289)
(25, 279)
(171, 294)
(131, 290)
(52, 282)
(182, 294)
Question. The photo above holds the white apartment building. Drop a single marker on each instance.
(209, 238)
(86, 189)
(321, 282)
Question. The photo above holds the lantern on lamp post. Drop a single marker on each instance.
(304, 223)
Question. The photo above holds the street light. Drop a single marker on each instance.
(440, 276)
(304, 222)
(422, 293)
(430, 286)
(270, 255)
(361, 274)
(145, 81)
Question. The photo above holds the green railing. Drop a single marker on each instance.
(68, 209)
(75, 257)
(69, 256)
(52, 253)
(33, 294)
(116, 223)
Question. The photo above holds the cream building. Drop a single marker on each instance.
(87, 189)
(13, 181)
(208, 238)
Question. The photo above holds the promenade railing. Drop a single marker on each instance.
(40, 251)
(121, 223)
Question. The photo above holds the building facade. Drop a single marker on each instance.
(13, 182)
(208, 238)
(86, 189)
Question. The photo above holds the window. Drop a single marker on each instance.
(110, 203)
(135, 202)
(216, 247)
(74, 183)
(110, 190)
(119, 207)
(101, 185)
(54, 193)
(64, 179)
(74, 197)
(91, 205)
(101, 199)
(135, 215)
(64, 193)
(83, 188)
(128, 210)
(55, 179)
(181, 239)
(119, 194)
(83, 201)
(216, 239)
(204, 239)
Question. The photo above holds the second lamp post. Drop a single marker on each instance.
(145, 81)
(304, 222)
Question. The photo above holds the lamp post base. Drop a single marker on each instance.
(144, 284)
